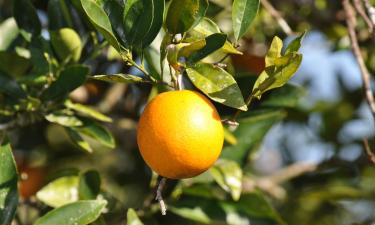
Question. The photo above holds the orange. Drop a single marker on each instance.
(180, 134)
(33, 180)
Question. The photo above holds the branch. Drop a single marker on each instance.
(276, 14)
(350, 21)
(360, 9)
(159, 196)
(370, 11)
(271, 184)
(368, 150)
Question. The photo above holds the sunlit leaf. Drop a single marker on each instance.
(213, 43)
(100, 20)
(9, 32)
(274, 52)
(217, 84)
(67, 44)
(132, 218)
(274, 77)
(87, 111)
(205, 28)
(64, 118)
(228, 174)
(119, 78)
(78, 140)
(59, 192)
(295, 45)
(8, 183)
(77, 213)
(243, 14)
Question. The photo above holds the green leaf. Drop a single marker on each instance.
(274, 77)
(85, 110)
(167, 40)
(132, 218)
(256, 126)
(138, 17)
(9, 32)
(58, 15)
(190, 213)
(100, 20)
(199, 209)
(78, 140)
(89, 185)
(13, 64)
(185, 14)
(26, 18)
(67, 44)
(69, 79)
(77, 213)
(254, 205)
(274, 52)
(286, 96)
(295, 45)
(8, 183)
(157, 22)
(217, 84)
(228, 174)
(115, 10)
(152, 57)
(11, 87)
(64, 117)
(119, 78)
(98, 132)
(229, 137)
(243, 14)
(205, 28)
(187, 49)
(213, 42)
(59, 192)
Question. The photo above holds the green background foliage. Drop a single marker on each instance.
(75, 76)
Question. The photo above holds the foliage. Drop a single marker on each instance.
(75, 76)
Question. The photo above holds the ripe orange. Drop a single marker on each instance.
(180, 134)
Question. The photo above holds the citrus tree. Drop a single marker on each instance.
(74, 157)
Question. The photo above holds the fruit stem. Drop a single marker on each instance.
(232, 121)
(179, 82)
(159, 197)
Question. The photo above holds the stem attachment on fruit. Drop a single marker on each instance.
(159, 197)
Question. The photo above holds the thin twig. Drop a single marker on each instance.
(368, 150)
(232, 121)
(361, 11)
(159, 197)
(366, 78)
(276, 14)
(370, 11)
(272, 183)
